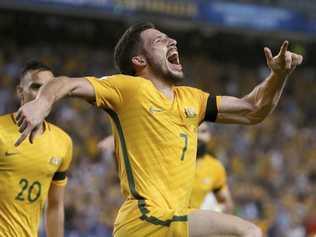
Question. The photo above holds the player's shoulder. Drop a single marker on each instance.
(59, 132)
(189, 90)
(120, 82)
(211, 160)
(8, 127)
(6, 121)
(120, 78)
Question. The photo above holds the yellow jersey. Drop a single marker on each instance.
(156, 143)
(26, 173)
(210, 177)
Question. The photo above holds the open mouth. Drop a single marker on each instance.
(173, 60)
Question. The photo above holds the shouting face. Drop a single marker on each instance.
(161, 55)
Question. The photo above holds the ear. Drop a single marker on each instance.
(139, 61)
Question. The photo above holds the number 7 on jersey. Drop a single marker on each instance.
(185, 147)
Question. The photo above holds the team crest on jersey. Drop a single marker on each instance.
(55, 161)
(190, 112)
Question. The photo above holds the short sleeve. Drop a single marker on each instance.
(111, 91)
(203, 96)
(60, 177)
(211, 109)
(208, 106)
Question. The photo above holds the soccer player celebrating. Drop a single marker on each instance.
(32, 172)
(155, 128)
(210, 178)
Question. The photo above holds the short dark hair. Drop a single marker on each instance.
(34, 65)
(128, 46)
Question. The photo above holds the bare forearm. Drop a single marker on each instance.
(55, 90)
(61, 87)
(258, 104)
(266, 95)
(32, 114)
(55, 221)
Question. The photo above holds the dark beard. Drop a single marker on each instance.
(174, 79)
(168, 76)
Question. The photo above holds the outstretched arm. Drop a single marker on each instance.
(261, 101)
(32, 114)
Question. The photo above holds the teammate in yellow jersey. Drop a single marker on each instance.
(32, 172)
(210, 178)
(210, 190)
(155, 128)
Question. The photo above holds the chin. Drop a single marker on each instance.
(166, 72)
(176, 76)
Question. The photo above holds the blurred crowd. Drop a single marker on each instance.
(271, 166)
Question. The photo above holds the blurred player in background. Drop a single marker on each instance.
(155, 127)
(210, 190)
(32, 173)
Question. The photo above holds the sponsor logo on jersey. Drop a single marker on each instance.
(55, 161)
(190, 112)
(7, 153)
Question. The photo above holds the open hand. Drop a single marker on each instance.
(284, 62)
(29, 118)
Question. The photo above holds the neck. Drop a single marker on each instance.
(161, 84)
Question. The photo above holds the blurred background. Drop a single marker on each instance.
(271, 166)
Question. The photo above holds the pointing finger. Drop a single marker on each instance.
(23, 136)
(284, 48)
(20, 121)
(268, 54)
(33, 134)
(18, 115)
(23, 126)
(31, 137)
